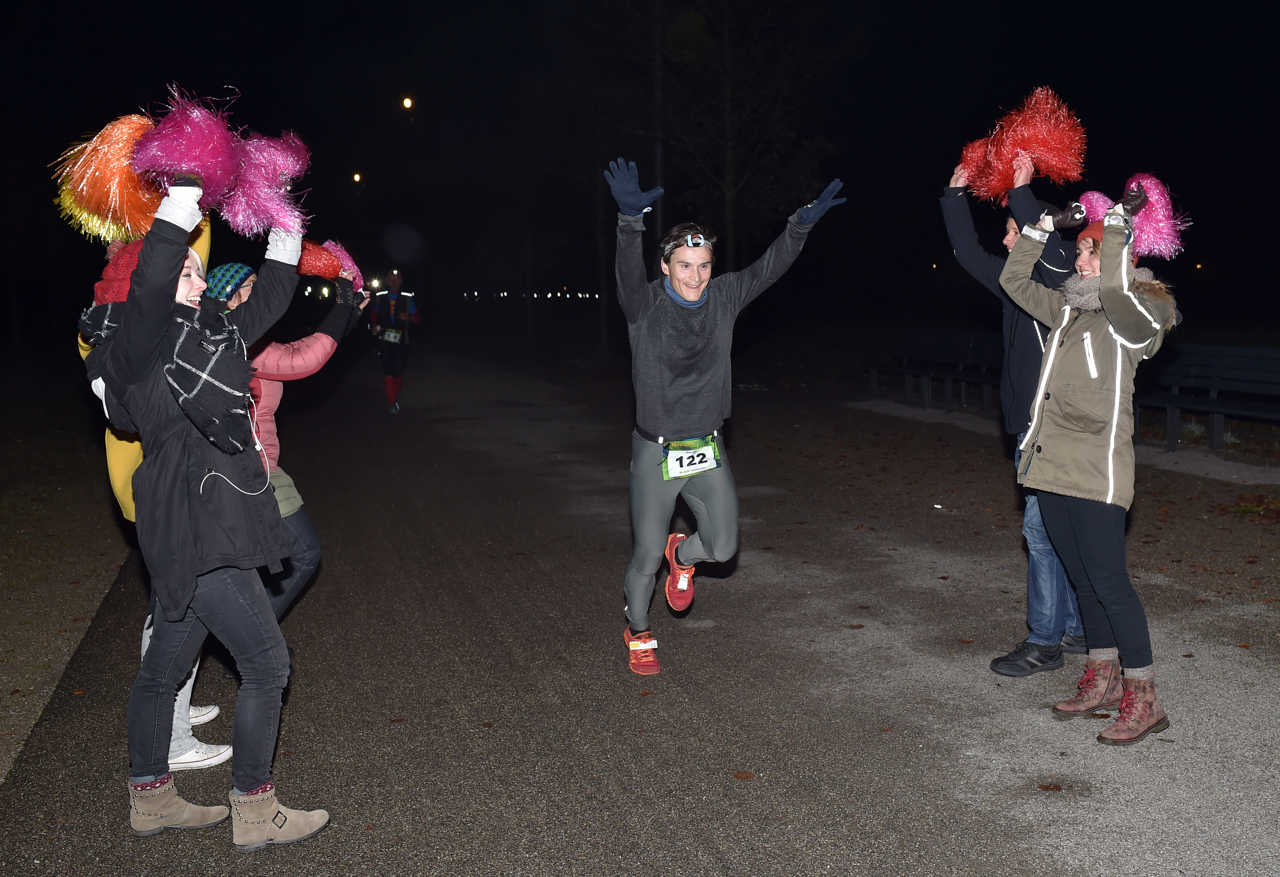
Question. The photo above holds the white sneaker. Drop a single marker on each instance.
(202, 714)
(200, 755)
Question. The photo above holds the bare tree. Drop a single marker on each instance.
(745, 78)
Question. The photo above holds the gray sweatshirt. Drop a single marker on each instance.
(680, 356)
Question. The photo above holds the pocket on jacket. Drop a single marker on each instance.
(1089, 414)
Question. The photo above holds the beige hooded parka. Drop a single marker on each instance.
(1080, 440)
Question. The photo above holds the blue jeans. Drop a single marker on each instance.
(231, 604)
(284, 588)
(1052, 610)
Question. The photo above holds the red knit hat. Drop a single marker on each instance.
(114, 285)
(1094, 230)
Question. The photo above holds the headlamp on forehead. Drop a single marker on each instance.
(690, 240)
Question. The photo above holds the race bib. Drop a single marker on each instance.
(682, 459)
(391, 335)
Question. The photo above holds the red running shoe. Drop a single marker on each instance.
(679, 578)
(644, 657)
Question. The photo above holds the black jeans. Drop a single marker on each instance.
(1089, 538)
(231, 604)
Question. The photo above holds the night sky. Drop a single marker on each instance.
(490, 182)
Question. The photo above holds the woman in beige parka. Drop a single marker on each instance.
(1078, 451)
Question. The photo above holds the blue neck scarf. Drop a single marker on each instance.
(675, 296)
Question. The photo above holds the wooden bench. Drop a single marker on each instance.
(951, 357)
(1238, 382)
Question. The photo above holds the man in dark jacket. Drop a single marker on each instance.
(1052, 614)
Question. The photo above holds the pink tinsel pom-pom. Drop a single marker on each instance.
(1096, 205)
(190, 139)
(261, 198)
(1157, 229)
(348, 264)
(1044, 129)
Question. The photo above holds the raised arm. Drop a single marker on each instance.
(624, 182)
(1135, 318)
(1039, 301)
(745, 285)
(1057, 258)
(984, 267)
(152, 285)
(306, 356)
(277, 280)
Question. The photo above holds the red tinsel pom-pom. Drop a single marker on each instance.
(316, 261)
(190, 139)
(1044, 129)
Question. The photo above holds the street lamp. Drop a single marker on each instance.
(356, 178)
(408, 103)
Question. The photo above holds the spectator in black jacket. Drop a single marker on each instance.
(1052, 613)
(206, 517)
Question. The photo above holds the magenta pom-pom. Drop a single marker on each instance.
(1096, 205)
(348, 264)
(1157, 229)
(261, 199)
(190, 139)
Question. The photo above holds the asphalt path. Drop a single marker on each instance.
(462, 703)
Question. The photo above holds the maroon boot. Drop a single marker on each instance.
(1140, 714)
(1098, 689)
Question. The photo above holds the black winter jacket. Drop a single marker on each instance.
(1023, 336)
(190, 520)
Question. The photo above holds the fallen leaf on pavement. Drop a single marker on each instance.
(1049, 787)
(744, 775)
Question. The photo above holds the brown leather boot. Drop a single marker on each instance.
(1140, 714)
(261, 820)
(1098, 689)
(154, 810)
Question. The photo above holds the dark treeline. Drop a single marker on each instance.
(741, 109)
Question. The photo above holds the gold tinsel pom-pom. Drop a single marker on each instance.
(99, 192)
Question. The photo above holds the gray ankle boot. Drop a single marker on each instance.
(261, 820)
(154, 810)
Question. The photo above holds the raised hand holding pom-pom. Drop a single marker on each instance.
(1134, 200)
(1071, 216)
(1023, 170)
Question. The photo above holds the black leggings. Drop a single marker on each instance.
(1089, 538)
(395, 357)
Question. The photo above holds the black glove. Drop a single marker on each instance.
(346, 291)
(1071, 216)
(811, 213)
(337, 322)
(624, 183)
(1134, 200)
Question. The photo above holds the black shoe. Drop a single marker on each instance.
(1028, 658)
(1073, 645)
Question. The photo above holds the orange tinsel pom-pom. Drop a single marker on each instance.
(316, 261)
(99, 192)
(1043, 129)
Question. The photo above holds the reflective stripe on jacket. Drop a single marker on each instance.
(1080, 441)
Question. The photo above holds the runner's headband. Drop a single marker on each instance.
(690, 240)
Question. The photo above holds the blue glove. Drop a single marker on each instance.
(811, 213)
(624, 182)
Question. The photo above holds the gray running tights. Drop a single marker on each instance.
(712, 496)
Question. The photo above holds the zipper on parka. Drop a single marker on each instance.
(1088, 355)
